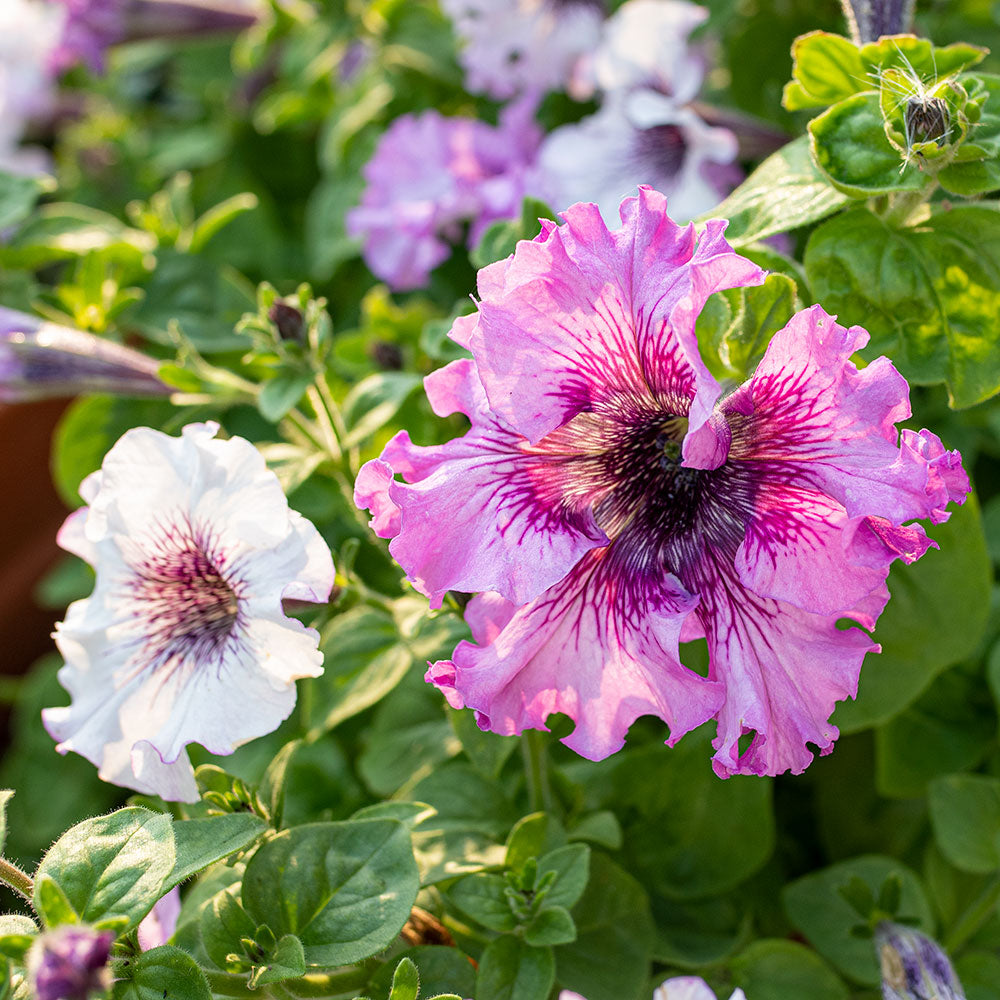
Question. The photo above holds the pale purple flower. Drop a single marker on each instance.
(510, 47)
(28, 33)
(914, 966)
(69, 963)
(157, 927)
(644, 44)
(432, 175)
(90, 28)
(608, 503)
(689, 988)
(39, 359)
(184, 639)
(639, 137)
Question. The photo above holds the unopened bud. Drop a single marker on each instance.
(914, 966)
(289, 321)
(927, 120)
(39, 360)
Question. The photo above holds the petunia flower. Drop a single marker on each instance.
(157, 927)
(689, 988)
(639, 137)
(608, 503)
(432, 175)
(183, 639)
(39, 359)
(69, 963)
(511, 47)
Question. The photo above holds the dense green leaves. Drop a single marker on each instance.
(965, 813)
(511, 969)
(164, 970)
(343, 889)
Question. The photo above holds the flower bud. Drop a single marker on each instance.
(69, 963)
(914, 966)
(39, 360)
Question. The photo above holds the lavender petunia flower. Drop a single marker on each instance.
(642, 137)
(510, 47)
(914, 966)
(689, 988)
(90, 28)
(157, 927)
(39, 360)
(69, 963)
(429, 176)
(183, 639)
(607, 504)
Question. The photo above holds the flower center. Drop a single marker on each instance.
(189, 605)
(661, 149)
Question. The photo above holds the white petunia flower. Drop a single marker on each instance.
(642, 137)
(689, 988)
(183, 639)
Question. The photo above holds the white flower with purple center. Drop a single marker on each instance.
(609, 503)
(510, 47)
(184, 638)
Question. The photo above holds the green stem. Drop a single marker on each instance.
(974, 917)
(330, 438)
(314, 984)
(16, 879)
(536, 770)
(903, 204)
(10, 687)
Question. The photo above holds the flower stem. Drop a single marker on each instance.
(16, 879)
(343, 982)
(973, 917)
(536, 770)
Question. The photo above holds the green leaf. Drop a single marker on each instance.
(785, 970)
(374, 401)
(487, 752)
(571, 867)
(286, 961)
(405, 981)
(935, 618)
(164, 970)
(510, 969)
(979, 973)
(929, 296)
(701, 932)
(816, 908)
(18, 194)
(441, 969)
(52, 904)
(482, 897)
(281, 393)
(610, 958)
(223, 924)
(17, 932)
(111, 868)
(601, 828)
(978, 176)
(552, 925)
(786, 191)
(201, 842)
(850, 147)
(344, 889)
(826, 68)
(965, 816)
(532, 836)
(920, 57)
(949, 728)
(737, 324)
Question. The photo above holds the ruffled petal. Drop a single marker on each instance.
(480, 514)
(578, 650)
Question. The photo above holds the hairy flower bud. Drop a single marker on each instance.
(69, 963)
(914, 966)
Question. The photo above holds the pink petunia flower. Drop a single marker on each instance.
(429, 177)
(510, 47)
(184, 639)
(608, 503)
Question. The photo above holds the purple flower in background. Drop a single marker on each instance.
(607, 504)
(69, 963)
(90, 28)
(645, 132)
(39, 360)
(158, 926)
(914, 966)
(184, 639)
(429, 177)
(510, 47)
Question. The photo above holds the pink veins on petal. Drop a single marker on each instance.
(608, 503)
